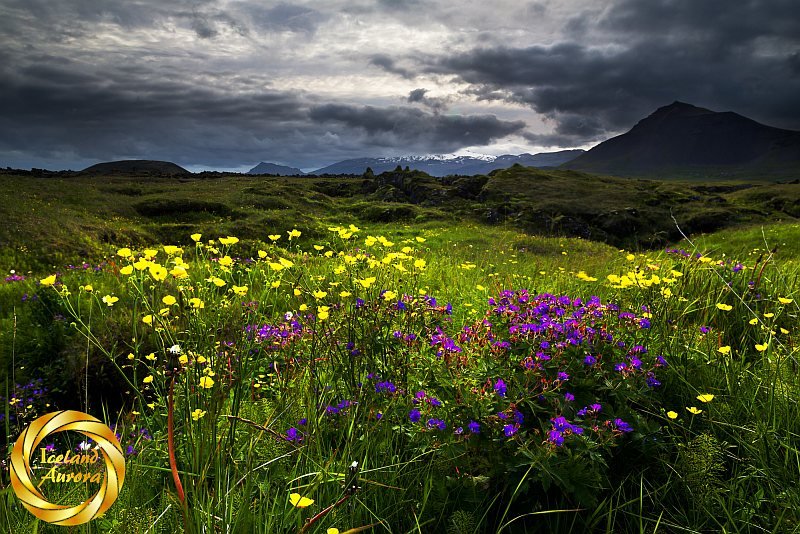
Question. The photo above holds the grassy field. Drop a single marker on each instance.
(270, 332)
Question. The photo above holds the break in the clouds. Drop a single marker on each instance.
(225, 84)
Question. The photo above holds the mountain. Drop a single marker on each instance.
(684, 140)
(135, 166)
(444, 165)
(273, 169)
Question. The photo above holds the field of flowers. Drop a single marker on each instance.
(402, 379)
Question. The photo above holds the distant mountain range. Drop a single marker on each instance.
(683, 140)
(438, 165)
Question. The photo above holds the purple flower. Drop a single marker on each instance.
(555, 437)
(303, 422)
(458, 431)
(474, 427)
(569, 397)
(622, 426)
(704, 330)
(436, 423)
(500, 387)
(378, 416)
(130, 450)
(510, 430)
(562, 376)
(590, 360)
(414, 415)
(385, 387)
(293, 435)
(433, 401)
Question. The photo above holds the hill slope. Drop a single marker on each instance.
(135, 166)
(685, 140)
(274, 169)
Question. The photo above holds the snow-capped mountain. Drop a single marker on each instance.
(448, 164)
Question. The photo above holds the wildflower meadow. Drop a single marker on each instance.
(412, 378)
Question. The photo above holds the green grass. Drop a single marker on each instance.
(731, 468)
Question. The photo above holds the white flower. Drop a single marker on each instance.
(175, 349)
(84, 446)
(288, 316)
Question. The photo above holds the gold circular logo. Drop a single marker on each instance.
(109, 447)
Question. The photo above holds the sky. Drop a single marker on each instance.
(225, 84)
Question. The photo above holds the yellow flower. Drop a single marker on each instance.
(754, 320)
(319, 247)
(148, 379)
(303, 307)
(275, 266)
(724, 350)
(323, 313)
(226, 261)
(672, 415)
(172, 250)
(319, 294)
(147, 319)
(297, 292)
(201, 359)
(151, 357)
(294, 233)
(219, 282)
(150, 252)
(240, 290)
(274, 237)
(332, 530)
(276, 284)
(131, 356)
(724, 307)
(694, 410)
(197, 414)
(344, 294)
(49, 281)
(389, 295)
(783, 300)
(196, 303)
(152, 405)
(366, 282)
(228, 240)
(328, 253)
(420, 239)
(169, 300)
(179, 272)
(142, 264)
(769, 315)
(196, 237)
(206, 382)
(183, 359)
(128, 269)
(784, 331)
(761, 348)
(158, 272)
(88, 288)
(109, 300)
(705, 397)
(124, 252)
(299, 501)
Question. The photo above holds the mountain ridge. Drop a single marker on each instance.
(682, 139)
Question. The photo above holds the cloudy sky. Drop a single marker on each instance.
(222, 84)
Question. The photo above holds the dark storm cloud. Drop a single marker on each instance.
(740, 56)
(419, 96)
(389, 64)
(410, 126)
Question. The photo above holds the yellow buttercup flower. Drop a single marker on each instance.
(109, 300)
(196, 303)
(148, 379)
(769, 315)
(389, 295)
(274, 237)
(672, 415)
(150, 253)
(228, 240)
(262, 254)
(724, 307)
(49, 281)
(294, 233)
(124, 252)
(761, 348)
(240, 290)
(169, 300)
(206, 382)
(88, 288)
(323, 313)
(332, 530)
(298, 501)
(197, 414)
(158, 272)
(196, 237)
(226, 261)
(754, 320)
(783, 300)
(172, 250)
(318, 247)
(183, 359)
(128, 269)
(151, 357)
(319, 294)
(705, 397)
(725, 350)
(147, 319)
(694, 410)
(366, 282)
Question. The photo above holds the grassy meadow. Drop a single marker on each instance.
(532, 351)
